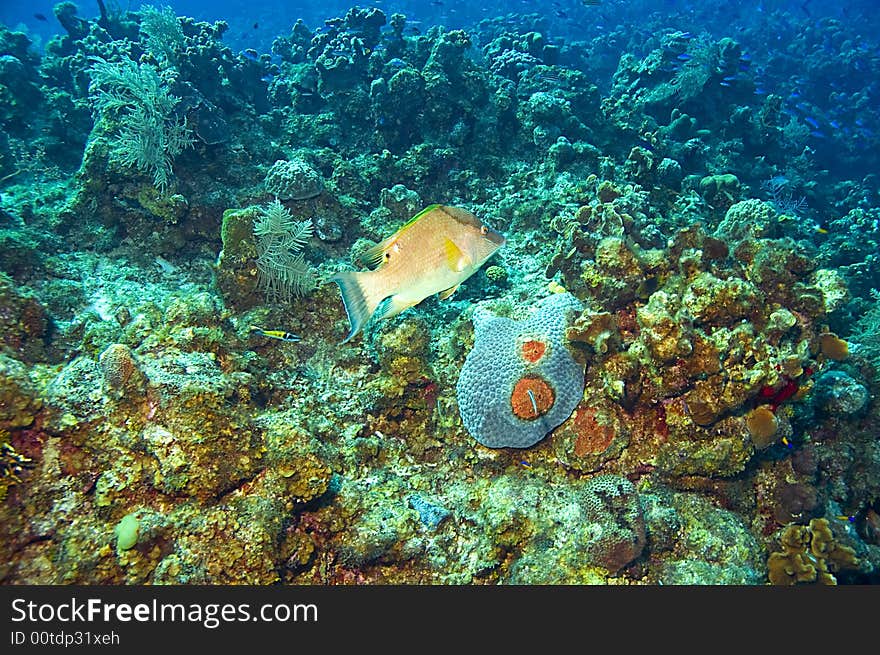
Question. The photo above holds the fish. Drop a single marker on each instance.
(41, 17)
(281, 335)
(437, 250)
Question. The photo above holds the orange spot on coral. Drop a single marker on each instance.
(592, 437)
(521, 402)
(533, 350)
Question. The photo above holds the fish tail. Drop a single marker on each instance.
(359, 303)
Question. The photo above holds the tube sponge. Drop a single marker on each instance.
(519, 381)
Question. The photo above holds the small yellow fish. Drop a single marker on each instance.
(821, 230)
(437, 250)
(281, 335)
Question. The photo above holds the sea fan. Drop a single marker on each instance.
(283, 272)
(137, 99)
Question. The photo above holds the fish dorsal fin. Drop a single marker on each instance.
(374, 256)
(443, 295)
(456, 260)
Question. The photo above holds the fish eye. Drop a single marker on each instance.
(484, 230)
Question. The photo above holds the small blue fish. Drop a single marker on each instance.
(812, 122)
(727, 84)
(834, 124)
(760, 91)
(684, 57)
(250, 54)
(818, 134)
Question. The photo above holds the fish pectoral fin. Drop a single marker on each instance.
(374, 256)
(383, 309)
(443, 295)
(456, 259)
(392, 306)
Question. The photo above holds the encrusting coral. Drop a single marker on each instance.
(809, 554)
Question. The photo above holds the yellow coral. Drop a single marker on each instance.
(11, 465)
(809, 554)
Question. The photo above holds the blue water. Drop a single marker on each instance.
(568, 18)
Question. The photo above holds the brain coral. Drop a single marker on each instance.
(293, 180)
(519, 381)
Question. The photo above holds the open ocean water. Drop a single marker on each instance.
(440, 293)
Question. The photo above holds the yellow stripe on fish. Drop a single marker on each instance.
(434, 252)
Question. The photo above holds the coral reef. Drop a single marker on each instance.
(669, 375)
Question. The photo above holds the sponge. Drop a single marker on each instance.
(519, 381)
